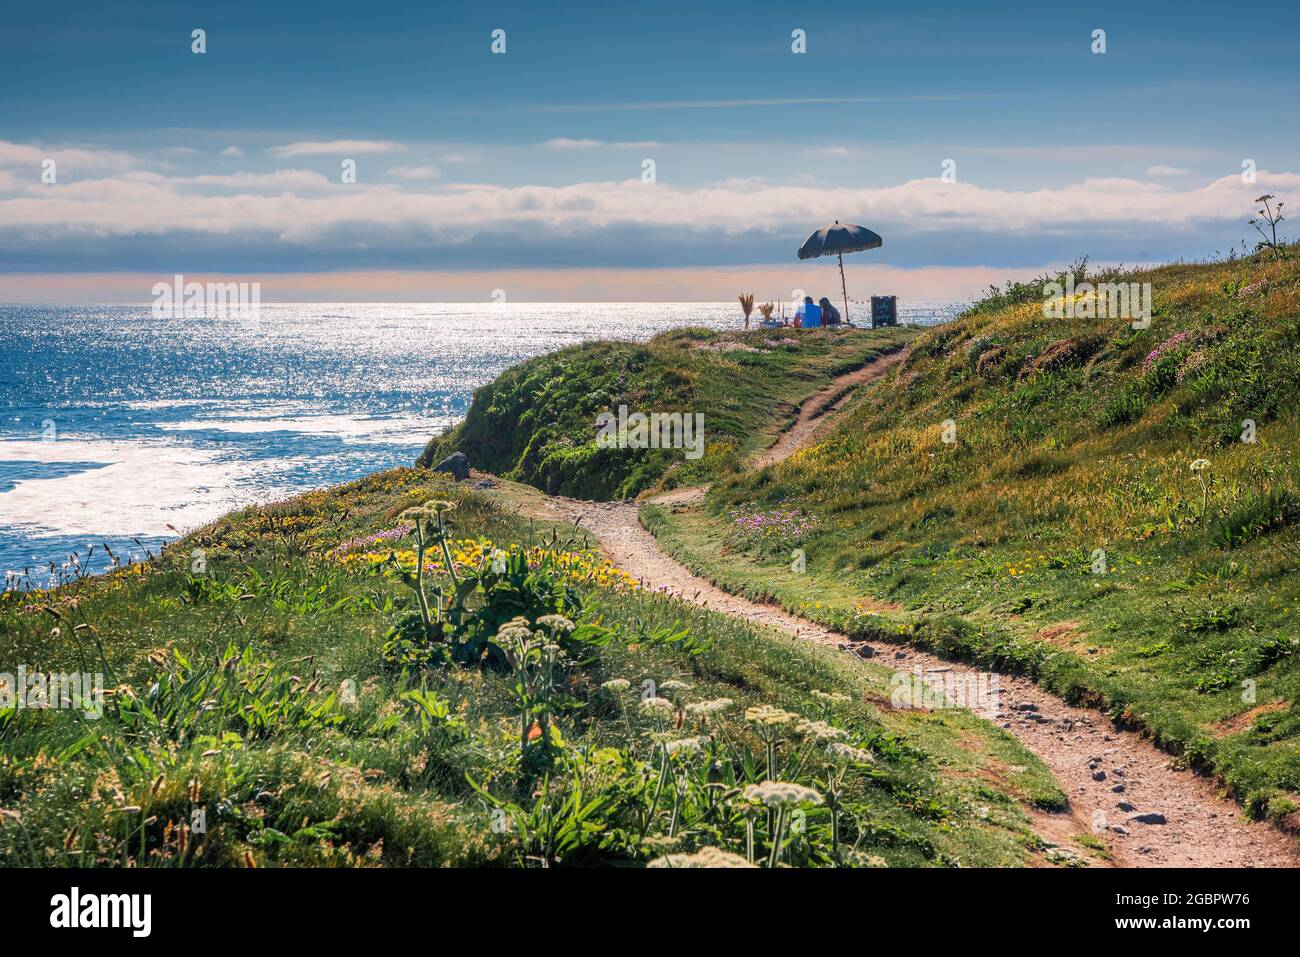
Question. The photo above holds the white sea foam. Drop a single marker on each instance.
(141, 489)
(414, 428)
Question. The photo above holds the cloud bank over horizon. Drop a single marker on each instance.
(110, 210)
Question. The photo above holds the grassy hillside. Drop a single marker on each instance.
(536, 423)
(280, 694)
(1118, 511)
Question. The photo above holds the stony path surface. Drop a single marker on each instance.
(1121, 787)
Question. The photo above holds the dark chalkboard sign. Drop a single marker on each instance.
(884, 311)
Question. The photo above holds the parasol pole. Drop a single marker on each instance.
(844, 289)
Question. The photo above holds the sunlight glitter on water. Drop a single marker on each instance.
(116, 425)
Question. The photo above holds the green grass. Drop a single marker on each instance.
(536, 423)
(232, 670)
(1073, 437)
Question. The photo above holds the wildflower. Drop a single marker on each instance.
(704, 708)
(1197, 467)
(781, 794)
(365, 542)
(437, 506)
(516, 629)
(1165, 348)
(820, 730)
(616, 685)
(672, 684)
(534, 732)
(1191, 364)
(704, 857)
(687, 746)
(769, 716)
(555, 623)
(657, 704)
(850, 753)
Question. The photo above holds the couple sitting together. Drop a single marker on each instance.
(814, 314)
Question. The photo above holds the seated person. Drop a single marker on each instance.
(812, 313)
(830, 315)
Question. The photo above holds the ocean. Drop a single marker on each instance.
(121, 429)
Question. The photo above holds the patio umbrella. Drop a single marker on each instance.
(836, 240)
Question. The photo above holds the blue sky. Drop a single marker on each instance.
(528, 165)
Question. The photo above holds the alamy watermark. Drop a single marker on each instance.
(133, 912)
(57, 689)
(213, 300)
(1103, 300)
(979, 692)
(658, 430)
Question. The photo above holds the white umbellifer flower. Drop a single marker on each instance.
(616, 685)
(685, 745)
(781, 794)
(850, 753)
(1200, 465)
(657, 704)
(672, 684)
(516, 629)
(556, 623)
(764, 714)
(820, 731)
(701, 708)
(704, 857)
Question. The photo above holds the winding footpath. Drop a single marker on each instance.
(1115, 780)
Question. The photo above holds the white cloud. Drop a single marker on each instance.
(834, 151)
(415, 172)
(337, 148)
(743, 184)
(234, 151)
(279, 179)
(27, 154)
(564, 143)
(1167, 171)
(148, 202)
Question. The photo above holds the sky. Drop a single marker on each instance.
(669, 151)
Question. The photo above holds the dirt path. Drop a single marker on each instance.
(1113, 778)
(814, 409)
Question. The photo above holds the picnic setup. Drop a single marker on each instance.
(835, 240)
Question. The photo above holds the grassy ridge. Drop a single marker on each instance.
(253, 678)
(536, 423)
(1101, 517)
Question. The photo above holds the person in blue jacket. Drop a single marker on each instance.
(812, 313)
